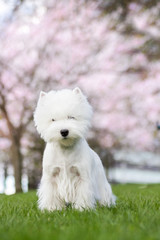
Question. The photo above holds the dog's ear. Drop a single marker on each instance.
(41, 97)
(42, 94)
(77, 90)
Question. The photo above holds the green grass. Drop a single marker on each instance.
(136, 216)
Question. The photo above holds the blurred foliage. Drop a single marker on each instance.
(109, 6)
(135, 46)
(151, 47)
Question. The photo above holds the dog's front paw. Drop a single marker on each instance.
(81, 206)
(51, 207)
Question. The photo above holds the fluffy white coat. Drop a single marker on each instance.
(72, 171)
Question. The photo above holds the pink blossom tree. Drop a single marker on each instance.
(65, 45)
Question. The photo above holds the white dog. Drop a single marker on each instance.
(72, 171)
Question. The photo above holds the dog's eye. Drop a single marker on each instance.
(70, 117)
(53, 119)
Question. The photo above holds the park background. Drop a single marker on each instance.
(111, 50)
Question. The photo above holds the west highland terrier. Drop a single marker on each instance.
(72, 172)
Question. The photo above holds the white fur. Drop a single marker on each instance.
(72, 171)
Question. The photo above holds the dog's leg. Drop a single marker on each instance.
(84, 198)
(48, 196)
(106, 197)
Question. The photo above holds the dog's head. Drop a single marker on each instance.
(63, 116)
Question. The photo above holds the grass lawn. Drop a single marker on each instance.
(136, 216)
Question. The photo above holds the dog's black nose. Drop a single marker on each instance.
(64, 132)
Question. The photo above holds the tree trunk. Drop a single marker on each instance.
(17, 165)
(15, 137)
(5, 175)
(32, 179)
